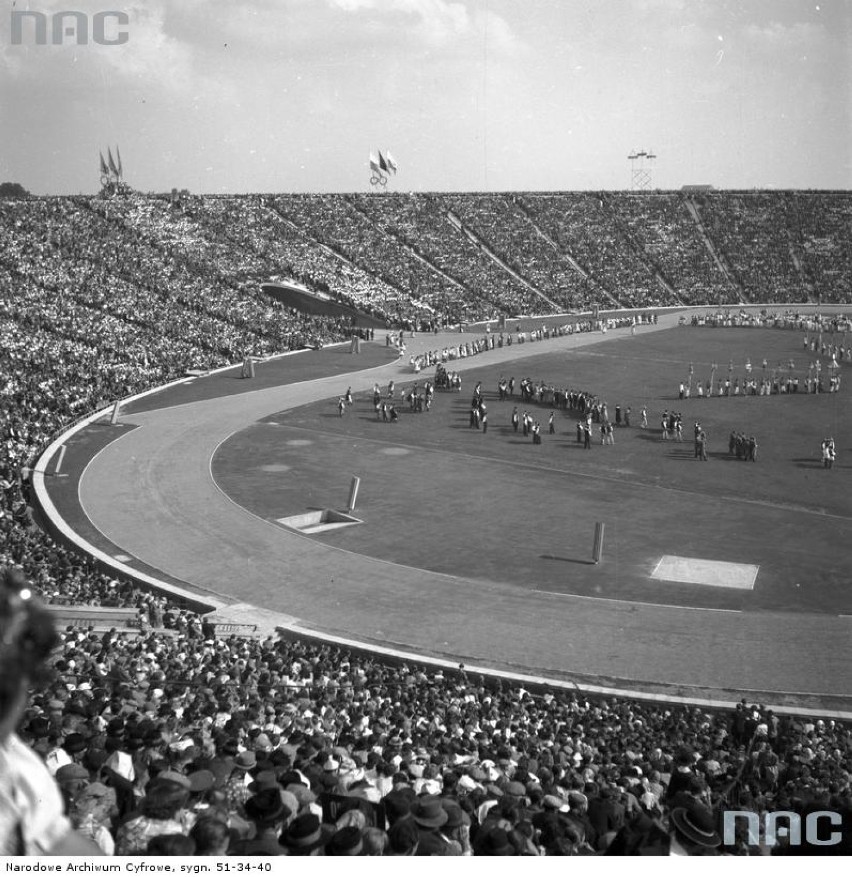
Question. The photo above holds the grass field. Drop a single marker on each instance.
(438, 495)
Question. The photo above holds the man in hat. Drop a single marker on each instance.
(236, 788)
(71, 779)
(269, 816)
(693, 831)
(430, 817)
(306, 836)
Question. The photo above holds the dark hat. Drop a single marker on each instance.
(403, 837)
(429, 813)
(266, 808)
(398, 803)
(495, 843)
(266, 779)
(74, 743)
(697, 824)
(455, 815)
(246, 760)
(303, 835)
(39, 726)
(230, 747)
(685, 755)
(94, 758)
(516, 789)
(115, 726)
(346, 842)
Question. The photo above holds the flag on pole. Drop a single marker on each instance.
(111, 162)
(391, 162)
(374, 163)
(118, 156)
(104, 168)
(382, 163)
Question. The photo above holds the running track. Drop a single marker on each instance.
(151, 493)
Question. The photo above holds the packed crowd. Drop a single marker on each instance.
(180, 745)
(446, 257)
(171, 741)
(790, 252)
(101, 300)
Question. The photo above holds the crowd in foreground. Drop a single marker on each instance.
(172, 742)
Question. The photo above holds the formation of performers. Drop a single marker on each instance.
(447, 380)
(744, 446)
(590, 408)
(671, 426)
(529, 425)
(418, 400)
(778, 384)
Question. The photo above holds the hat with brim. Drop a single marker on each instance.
(304, 835)
(70, 773)
(697, 824)
(74, 743)
(246, 760)
(456, 817)
(347, 841)
(266, 779)
(266, 808)
(429, 813)
(496, 843)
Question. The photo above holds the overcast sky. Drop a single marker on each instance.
(292, 95)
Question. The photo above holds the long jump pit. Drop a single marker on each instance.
(713, 573)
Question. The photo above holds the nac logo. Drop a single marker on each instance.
(69, 28)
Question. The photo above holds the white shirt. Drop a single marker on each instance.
(31, 809)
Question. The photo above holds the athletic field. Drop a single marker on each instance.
(716, 577)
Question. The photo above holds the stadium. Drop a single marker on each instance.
(501, 522)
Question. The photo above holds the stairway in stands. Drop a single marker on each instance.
(721, 264)
(457, 223)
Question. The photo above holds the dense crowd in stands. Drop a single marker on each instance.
(177, 745)
(214, 746)
(456, 257)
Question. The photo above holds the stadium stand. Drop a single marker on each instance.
(161, 728)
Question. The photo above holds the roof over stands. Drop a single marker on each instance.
(292, 295)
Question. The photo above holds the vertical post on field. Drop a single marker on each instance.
(597, 550)
(115, 408)
(353, 492)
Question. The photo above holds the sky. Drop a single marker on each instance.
(468, 95)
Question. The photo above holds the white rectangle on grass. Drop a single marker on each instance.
(715, 573)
